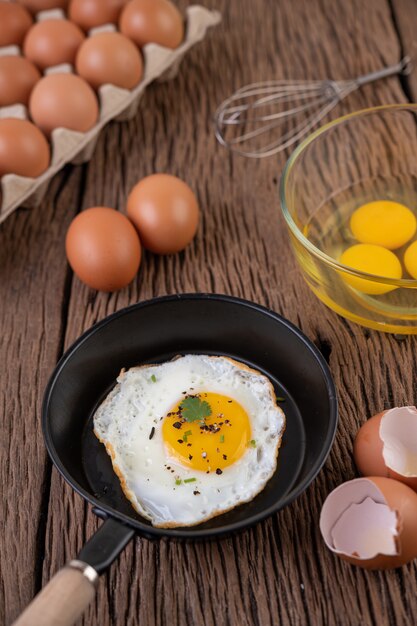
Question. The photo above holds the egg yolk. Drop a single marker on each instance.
(212, 443)
(372, 260)
(383, 223)
(410, 259)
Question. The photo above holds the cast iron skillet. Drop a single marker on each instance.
(152, 332)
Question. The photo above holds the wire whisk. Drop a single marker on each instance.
(262, 119)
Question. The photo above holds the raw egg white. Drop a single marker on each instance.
(152, 21)
(191, 438)
(165, 213)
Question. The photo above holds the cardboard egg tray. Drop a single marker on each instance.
(68, 146)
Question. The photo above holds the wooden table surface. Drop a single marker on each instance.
(278, 572)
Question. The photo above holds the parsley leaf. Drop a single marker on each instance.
(192, 409)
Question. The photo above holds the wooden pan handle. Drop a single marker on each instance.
(64, 599)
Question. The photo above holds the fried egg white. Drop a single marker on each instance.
(176, 468)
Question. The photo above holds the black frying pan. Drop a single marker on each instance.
(152, 332)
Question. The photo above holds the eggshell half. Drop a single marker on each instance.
(386, 445)
(371, 516)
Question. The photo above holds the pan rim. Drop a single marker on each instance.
(192, 533)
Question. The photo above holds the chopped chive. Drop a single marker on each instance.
(190, 480)
(252, 443)
(186, 435)
(280, 399)
(221, 438)
(153, 378)
(178, 481)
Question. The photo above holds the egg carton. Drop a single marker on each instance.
(69, 146)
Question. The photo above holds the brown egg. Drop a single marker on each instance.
(43, 5)
(63, 101)
(365, 531)
(109, 58)
(165, 212)
(367, 452)
(15, 22)
(103, 249)
(52, 42)
(23, 148)
(18, 76)
(152, 21)
(91, 13)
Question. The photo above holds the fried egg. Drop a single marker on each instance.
(191, 438)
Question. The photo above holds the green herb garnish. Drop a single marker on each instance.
(186, 435)
(193, 409)
(190, 480)
(153, 378)
(280, 399)
(252, 443)
(221, 438)
(178, 481)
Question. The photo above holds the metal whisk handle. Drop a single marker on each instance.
(403, 67)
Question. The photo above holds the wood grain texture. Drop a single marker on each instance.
(404, 13)
(278, 573)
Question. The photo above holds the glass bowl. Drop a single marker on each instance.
(363, 157)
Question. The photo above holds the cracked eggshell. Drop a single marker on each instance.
(386, 445)
(370, 522)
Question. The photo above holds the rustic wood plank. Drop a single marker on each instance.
(405, 19)
(33, 293)
(278, 572)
